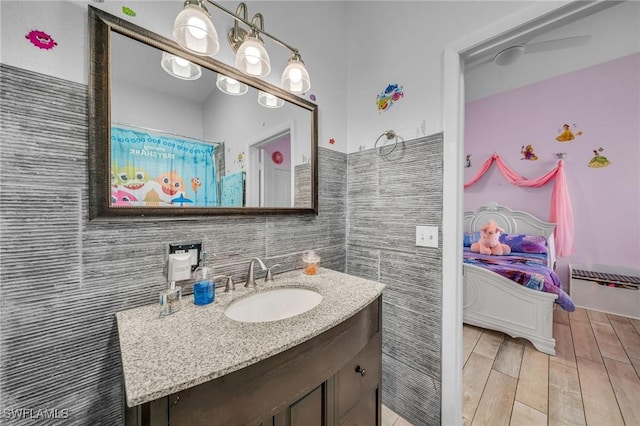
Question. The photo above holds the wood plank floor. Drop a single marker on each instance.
(594, 378)
(390, 418)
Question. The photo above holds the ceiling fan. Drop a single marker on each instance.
(511, 54)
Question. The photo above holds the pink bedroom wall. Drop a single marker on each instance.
(603, 102)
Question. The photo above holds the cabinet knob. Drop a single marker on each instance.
(361, 370)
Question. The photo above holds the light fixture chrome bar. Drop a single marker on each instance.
(252, 26)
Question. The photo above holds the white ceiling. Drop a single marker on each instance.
(128, 54)
(615, 32)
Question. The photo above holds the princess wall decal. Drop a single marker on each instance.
(566, 134)
(527, 153)
(598, 161)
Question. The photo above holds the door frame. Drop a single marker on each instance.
(254, 173)
(527, 23)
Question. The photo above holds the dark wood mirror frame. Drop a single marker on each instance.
(101, 24)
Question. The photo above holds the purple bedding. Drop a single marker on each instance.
(527, 269)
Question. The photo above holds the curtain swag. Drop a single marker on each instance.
(560, 213)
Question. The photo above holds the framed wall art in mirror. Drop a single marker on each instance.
(174, 134)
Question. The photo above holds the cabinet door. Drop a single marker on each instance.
(310, 410)
(365, 412)
(268, 422)
(359, 376)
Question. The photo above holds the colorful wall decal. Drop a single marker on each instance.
(467, 161)
(598, 160)
(127, 11)
(332, 141)
(527, 153)
(566, 134)
(277, 157)
(41, 39)
(240, 160)
(312, 97)
(393, 93)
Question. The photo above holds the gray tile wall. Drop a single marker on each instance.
(302, 185)
(63, 277)
(387, 197)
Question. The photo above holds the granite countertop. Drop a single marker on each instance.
(197, 344)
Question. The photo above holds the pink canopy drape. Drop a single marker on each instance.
(560, 213)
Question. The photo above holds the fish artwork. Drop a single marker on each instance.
(171, 183)
(122, 198)
(385, 100)
(195, 184)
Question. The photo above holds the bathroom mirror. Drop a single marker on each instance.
(164, 144)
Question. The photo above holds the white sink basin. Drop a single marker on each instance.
(273, 305)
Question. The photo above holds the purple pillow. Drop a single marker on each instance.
(470, 238)
(523, 243)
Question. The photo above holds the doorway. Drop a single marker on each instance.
(270, 167)
(538, 18)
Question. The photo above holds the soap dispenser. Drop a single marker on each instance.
(204, 290)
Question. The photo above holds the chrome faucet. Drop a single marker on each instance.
(251, 279)
(269, 276)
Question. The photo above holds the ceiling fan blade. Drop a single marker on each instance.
(559, 43)
(477, 62)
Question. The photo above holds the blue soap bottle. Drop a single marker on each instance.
(204, 290)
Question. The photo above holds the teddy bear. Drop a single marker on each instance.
(489, 241)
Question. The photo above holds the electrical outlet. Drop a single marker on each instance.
(194, 249)
(427, 236)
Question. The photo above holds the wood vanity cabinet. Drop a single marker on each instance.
(333, 379)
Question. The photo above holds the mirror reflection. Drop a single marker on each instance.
(176, 134)
(178, 140)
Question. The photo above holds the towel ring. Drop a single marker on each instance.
(390, 134)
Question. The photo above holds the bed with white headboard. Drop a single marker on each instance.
(494, 302)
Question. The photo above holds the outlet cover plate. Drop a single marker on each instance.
(427, 236)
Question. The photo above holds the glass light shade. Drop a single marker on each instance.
(194, 31)
(268, 100)
(179, 67)
(295, 78)
(252, 58)
(231, 86)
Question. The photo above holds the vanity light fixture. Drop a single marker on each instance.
(194, 31)
(231, 86)
(295, 77)
(179, 67)
(252, 58)
(268, 100)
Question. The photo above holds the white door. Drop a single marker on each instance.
(277, 186)
(269, 184)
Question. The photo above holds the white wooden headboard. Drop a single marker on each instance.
(513, 222)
